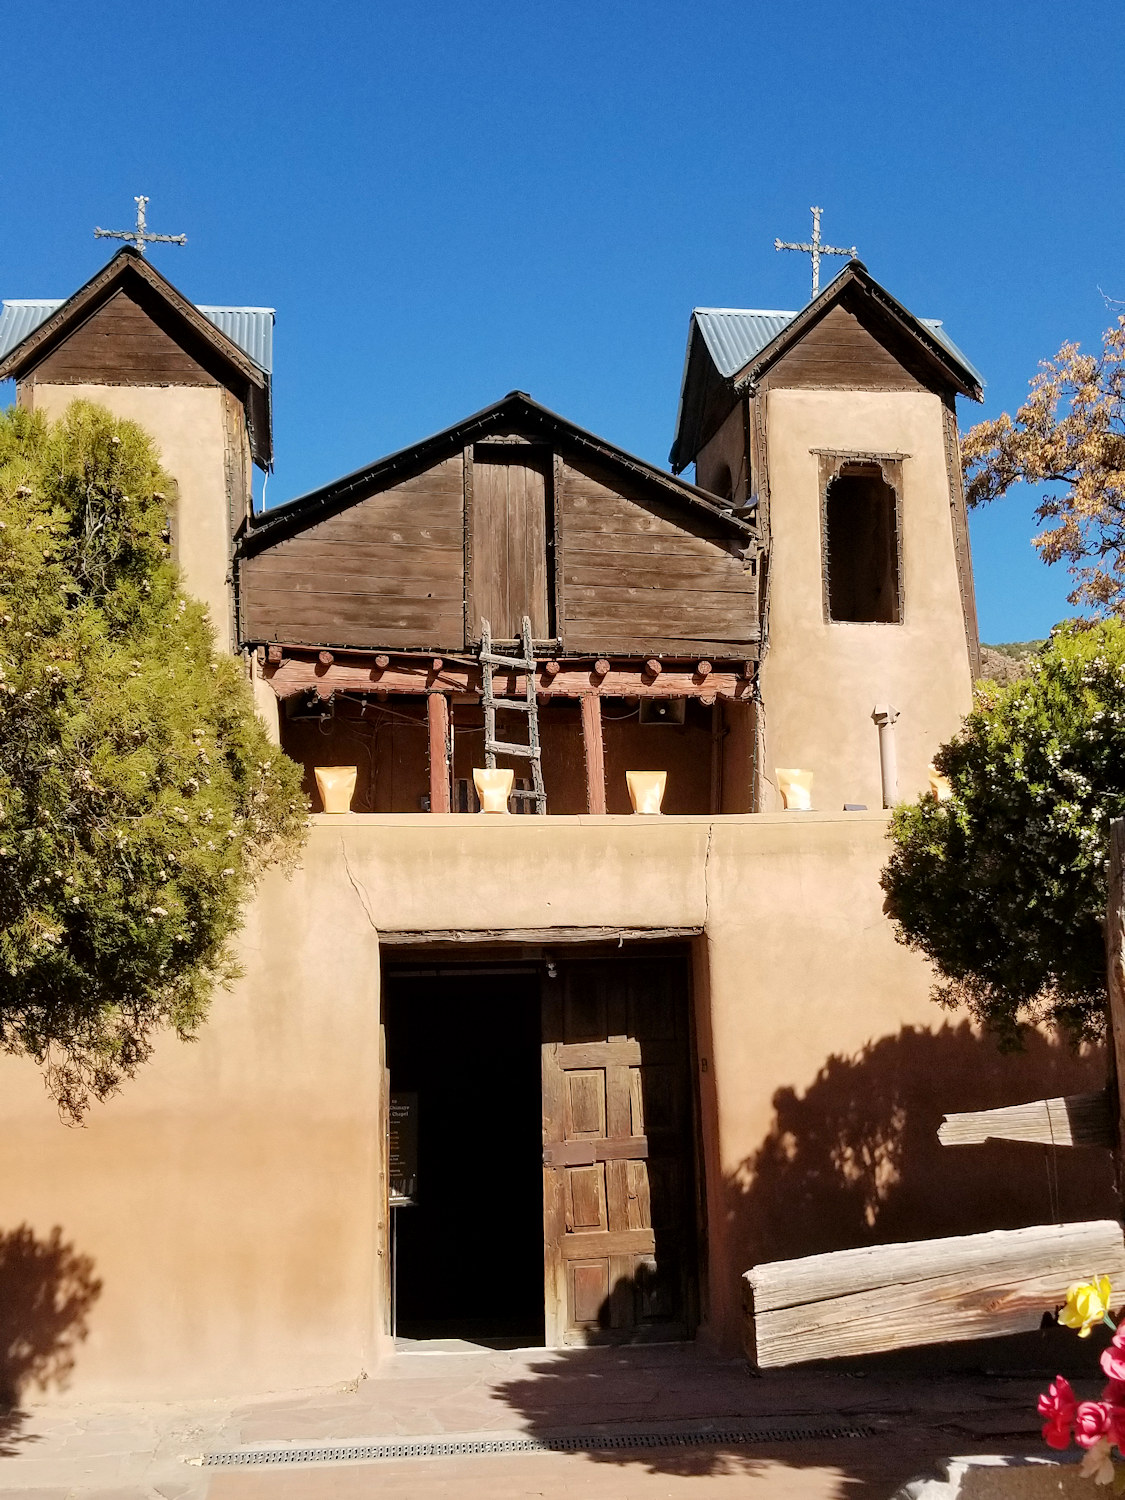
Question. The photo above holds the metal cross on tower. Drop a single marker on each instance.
(815, 249)
(140, 235)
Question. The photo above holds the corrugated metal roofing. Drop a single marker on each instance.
(734, 335)
(251, 328)
(18, 319)
(937, 328)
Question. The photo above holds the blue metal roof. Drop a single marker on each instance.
(735, 335)
(251, 328)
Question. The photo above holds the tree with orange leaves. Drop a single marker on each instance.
(1069, 434)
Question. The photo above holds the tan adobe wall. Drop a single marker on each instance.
(203, 446)
(228, 1199)
(821, 680)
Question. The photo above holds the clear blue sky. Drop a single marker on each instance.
(447, 201)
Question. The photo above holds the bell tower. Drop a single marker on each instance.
(197, 379)
(838, 426)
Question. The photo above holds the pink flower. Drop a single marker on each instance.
(1113, 1358)
(1059, 1402)
(1056, 1433)
(1093, 1423)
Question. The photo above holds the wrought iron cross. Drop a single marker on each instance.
(815, 249)
(140, 235)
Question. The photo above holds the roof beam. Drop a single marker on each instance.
(294, 675)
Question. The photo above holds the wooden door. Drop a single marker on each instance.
(510, 531)
(618, 1196)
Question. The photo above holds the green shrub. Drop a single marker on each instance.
(140, 797)
(1003, 887)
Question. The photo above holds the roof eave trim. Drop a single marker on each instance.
(304, 510)
(746, 378)
(18, 360)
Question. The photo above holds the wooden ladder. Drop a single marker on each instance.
(525, 705)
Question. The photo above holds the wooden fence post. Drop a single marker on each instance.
(1115, 980)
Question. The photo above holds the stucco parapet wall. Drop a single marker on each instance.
(415, 872)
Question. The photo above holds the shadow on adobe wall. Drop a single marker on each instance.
(853, 1160)
(46, 1292)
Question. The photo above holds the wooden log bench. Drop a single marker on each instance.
(886, 1297)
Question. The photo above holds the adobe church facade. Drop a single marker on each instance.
(572, 1070)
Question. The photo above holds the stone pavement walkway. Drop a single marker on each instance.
(586, 1396)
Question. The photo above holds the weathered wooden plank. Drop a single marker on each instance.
(624, 1054)
(589, 1152)
(371, 611)
(362, 585)
(638, 523)
(640, 615)
(530, 936)
(1115, 971)
(584, 600)
(367, 520)
(594, 752)
(579, 638)
(936, 1291)
(811, 1278)
(591, 570)
(357, 630)
(437, 716)
(649, 546)
(599, 1243)
(377, 557)
(1074, 1120)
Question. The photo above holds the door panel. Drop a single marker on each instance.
(617, 1151)
(510, 530)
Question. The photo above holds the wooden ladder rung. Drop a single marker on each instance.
(519, 662)
(501, 747)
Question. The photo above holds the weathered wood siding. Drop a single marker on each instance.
(122, 344)
(388, 571)
(640, 576)
(841, 352)
(510, 533)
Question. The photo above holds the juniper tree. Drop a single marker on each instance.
(140, 797)
(1003, 887)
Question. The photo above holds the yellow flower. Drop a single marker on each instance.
(1087, 1303)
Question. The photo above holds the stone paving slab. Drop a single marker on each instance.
(141, 1452)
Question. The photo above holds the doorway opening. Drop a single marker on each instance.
(469, 1250)
(543, 1147)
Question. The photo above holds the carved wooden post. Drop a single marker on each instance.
(595, 752)
(437, 714)
(1115, 978)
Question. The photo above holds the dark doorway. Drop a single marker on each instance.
(470, 1252)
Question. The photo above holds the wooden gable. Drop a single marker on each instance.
(849, 349)
(492, 521)
(852, 336)
(387, 571)
(122, 343)
(856, 336)
(130, 326)
(639, 576)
